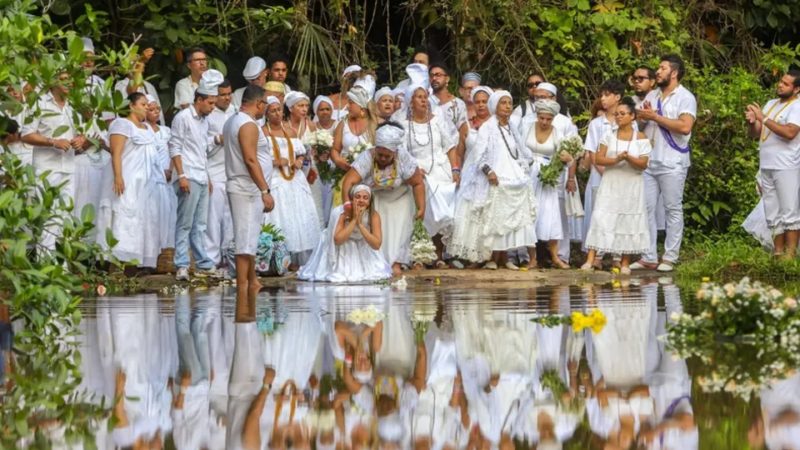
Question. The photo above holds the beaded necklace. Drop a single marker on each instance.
(276, 153)
(508, 147)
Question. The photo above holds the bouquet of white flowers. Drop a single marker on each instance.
(355, 151)
(550, 173)
(321, 141)
(422, 249)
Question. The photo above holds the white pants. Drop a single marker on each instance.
(668, 185)
(780, 190)
(219, 228)
(563, 244)
(53, 231)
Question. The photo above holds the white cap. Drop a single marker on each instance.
(88, 45)
(351, 69)
(295, 97)
(549, 87)
(209, 82)
(254, 67)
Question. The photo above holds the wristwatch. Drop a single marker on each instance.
(266, 191)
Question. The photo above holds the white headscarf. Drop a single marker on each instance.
(384, 91)
(271, 100)
(547, 106)
(389, 137)
(485, 89)
(351, 69)
(390, 428)
(295, 97)
(367, 82)
(359, 96)
(320, 100)
(494, 99)
(150, 99)
(356, 189)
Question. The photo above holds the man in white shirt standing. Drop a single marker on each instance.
(188, 148)
(255, 72)
(56, 139)
(197, 62)
(219, 231)
(451, 107)
(643, 80)
(669, 113)
(777, 127)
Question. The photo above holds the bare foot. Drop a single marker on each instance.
(396, 270)
(559, 264)
(532, 265)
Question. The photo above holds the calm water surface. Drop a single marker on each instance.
(439, 367)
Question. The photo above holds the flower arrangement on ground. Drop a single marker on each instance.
(422, 249)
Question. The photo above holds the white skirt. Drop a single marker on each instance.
(548, 213)
(509, 218)
(294, 213)
(440, 199)
(397, 208)
(465, 241)
(247, 213)
(589, 198)
(619, 220)
(352, 262)
(167, 214)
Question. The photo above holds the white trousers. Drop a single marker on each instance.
(780, 190)
(219, 228)
(669, 185)
(53, 231)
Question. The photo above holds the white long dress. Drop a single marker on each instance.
(465, 242)
(294, 211)
(509, 216)
(598, 127)
(127, 215)
(352, 262)
(165, 199)
(429, 143)
(548, 214)
(394, 201)
(619, 221)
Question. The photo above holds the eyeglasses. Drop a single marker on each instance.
(620, 113)
(543, 97)
(199, 60)
(534, 84)
(639, 79)
(438, 74)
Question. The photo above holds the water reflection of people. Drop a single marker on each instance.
(778, 425)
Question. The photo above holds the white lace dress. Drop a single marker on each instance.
(548, 214)
(619, 221)
(294, 211)
(465, 241)
(352, 262)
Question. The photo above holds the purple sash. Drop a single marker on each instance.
(668, 135)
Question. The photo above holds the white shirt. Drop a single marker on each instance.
(184, 92)
(51, 118)
(598, 127)
(529, 109)
(774, 151)
(239, 179)
(216, 156)
(455, 111)
(190, 141)
(678, 102)
(145, 88)
(561, 123)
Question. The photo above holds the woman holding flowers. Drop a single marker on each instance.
(543, 141)
(349, 252)
(619, 221)
(356, 131)
(323, 142)
(294, 211)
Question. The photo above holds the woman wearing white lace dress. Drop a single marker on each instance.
(349, 251)
(431, 140)
(619, 221)
(357, 128)
(508, 216)
(166, 203)
(294, 211)
(465, 241)
(323, 118)
(543, 139)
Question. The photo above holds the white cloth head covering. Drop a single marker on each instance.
(359, 96)
(320, 100)
(295, 97)
(470, 76)
(356, 189)
(549, 87)
(547, 107)
(368, 83)
(390, 428)
(150, 99)
(209, 82)
(485, 89)
(271, 100)
(254, 67)
(412, 88)
(389, 137)
(351, 69)
(383, 92)
(494, 99)
(418, 73)
(550, 445)
(88, 45)
(363, 377)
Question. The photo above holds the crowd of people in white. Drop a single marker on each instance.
(469, 168)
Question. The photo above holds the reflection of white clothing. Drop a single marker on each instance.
(292, 348)
(398, 352)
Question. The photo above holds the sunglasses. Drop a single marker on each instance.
(639, 79)
(534, 84)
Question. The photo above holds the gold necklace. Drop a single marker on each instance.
(765, 132)
(276, 153)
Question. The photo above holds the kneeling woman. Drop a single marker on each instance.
(349, 251)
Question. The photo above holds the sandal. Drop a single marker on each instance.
(440, 265)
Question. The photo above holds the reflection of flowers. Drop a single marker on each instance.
(595, 321)
(369, 316)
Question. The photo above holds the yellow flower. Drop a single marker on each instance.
(616, 284)
(615, 270)
(437, 281)
(706, 279)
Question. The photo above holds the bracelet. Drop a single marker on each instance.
(266, 191)
(455, 170)
(267, 387)
(182, 176)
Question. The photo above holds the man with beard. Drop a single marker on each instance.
(669, 113)
(451, 107)
(777, 127)
(643, 80)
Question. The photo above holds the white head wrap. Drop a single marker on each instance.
(150, 99)
(351, 69)
(412, 88)
(365, 376)
(389, 137)
(271, 100)
(359, 96)
(390, 428)
(321, 446)
(295, 97)
(254, 67)
(485, 89)
(209, 82)
(368, 83)
(88, 45)
(320, 100)
(550, 445)
(383, 92)
(547, 106)
(470, 76)
(494, 99)
(417, 73)
(549, 87)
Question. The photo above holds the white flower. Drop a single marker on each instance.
(401, 284)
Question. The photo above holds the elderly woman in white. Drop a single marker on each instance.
(432, 141)
(542, 139)
(504, 192)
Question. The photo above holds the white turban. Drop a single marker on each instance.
(390, 428)
(389, 137)
(550, 445)
(494, 99)
(485, 89)
(359, 96)
(547, 107)
(549, 87)
(470, 76)
(363, 377)
(351, 69)
(150, 99)
(320, 100)
(88, 45)
(209, 82)
(295, 97)
(254, 67)
(383, 92)
(367, 82)
(271, 100)
(412, 88)
(418, 73)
